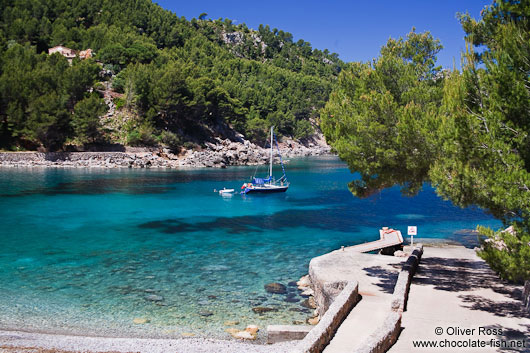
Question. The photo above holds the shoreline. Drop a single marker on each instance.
(14, 341)
(31, 341)
(221, 154)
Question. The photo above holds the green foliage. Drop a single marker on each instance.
(380, 117)
(171, 140)
(37, 92)
(86, 121)
(303, 129)
(180, 75)
(119, 102)
(142, 135)
(394, 123)
(257, 130)
(508, 253)
(484, 132)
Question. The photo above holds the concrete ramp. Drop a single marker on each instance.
(388, 237)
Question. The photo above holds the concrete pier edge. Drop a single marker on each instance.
(321, 334)
(386, 335)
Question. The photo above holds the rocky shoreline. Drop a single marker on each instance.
(220, 154)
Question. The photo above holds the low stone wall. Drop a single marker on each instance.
(323, 332)
(402, 287)
(384, 337)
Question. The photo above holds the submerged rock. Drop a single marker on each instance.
(231, 323)
(140, 320)
(276, 288)
(263, 309)
(291, 300)
(154, 298)
(205, 313)
(232, 330)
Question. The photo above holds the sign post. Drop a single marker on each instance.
(412, 231)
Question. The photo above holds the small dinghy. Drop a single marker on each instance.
(226, 192)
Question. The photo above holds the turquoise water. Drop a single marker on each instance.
(88, 250)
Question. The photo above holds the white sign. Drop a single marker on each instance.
(412, 230)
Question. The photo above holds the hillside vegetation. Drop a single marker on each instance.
(180, 80)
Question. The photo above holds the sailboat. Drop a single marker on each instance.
(269, 184)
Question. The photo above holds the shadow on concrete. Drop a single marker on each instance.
(460, 275)
(508, 339)
(387, 278)
(454, 275)
(498, 308)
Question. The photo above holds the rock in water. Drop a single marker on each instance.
(252, 329)
(309, 303)
(263, 309)
(244, 335)
(305, 281)
(205, 313)
(291, 300)
(307, 292)
(313, 320)
(140, 320)
(276, 288)
(154, 298)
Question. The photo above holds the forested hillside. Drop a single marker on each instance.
(179, 80)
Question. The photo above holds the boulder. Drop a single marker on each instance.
(304, 282)
(400, 253)
(244, 335)
(313, 320)
(307, 292)
(252, 329)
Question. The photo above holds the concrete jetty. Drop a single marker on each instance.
(376, 275)
(387, 238)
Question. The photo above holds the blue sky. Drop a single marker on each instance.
(355, 30)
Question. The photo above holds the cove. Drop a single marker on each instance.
(86, 251)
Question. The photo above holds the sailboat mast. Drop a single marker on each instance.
(270, 170)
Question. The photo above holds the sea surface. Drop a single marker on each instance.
(86, 251)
